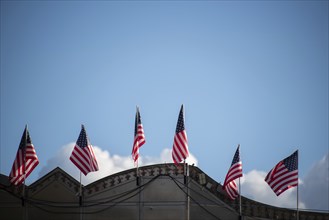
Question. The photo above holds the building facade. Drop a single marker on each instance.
(159, 192)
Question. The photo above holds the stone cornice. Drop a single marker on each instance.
(130, 175)
(250, 207)
(253, 208)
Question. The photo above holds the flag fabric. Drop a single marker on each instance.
(284, 175)
(26, 160)
(139, 138)
(83, 155)
(233, 173)
(180, 147)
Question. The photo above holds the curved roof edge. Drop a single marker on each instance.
(250, 207)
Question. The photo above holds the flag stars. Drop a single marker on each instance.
(236, 157)
(82, 140)
(26, 139)
(180, 124)
(291, 162)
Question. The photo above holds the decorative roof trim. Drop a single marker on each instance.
(56, 174)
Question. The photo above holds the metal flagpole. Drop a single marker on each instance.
(23, 200)
(240, 206)
(136, 124)
(297, 189)
(80, 199)
(23, 196)
(24, 176)
(138, 179)
(297, 205)
(137, 173)
(186, 180)
(140, 196)
(140, 191)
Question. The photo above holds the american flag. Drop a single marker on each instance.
(83, 155)
(139, 138)
(233, 173)
(26, 160)
(284, 175)
(180, 147)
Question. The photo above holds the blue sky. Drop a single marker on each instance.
(253, 73)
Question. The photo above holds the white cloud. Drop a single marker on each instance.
(165, 157)
(107, 163)
(312, 188)
(315, 189)
(254, 187)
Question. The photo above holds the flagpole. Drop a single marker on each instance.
(80, 188)
(297, 189)
(139, 194)
(140, 198)
(297, 205)
(23, 196)
(24, 162)
(186, 174)
(138, 180)
(137, 171)
(24, 177)
(80, 198)
(297, 192)
(85, 160)
(240, 206)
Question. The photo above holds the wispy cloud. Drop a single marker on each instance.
(108, 164)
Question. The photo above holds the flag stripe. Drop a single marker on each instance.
(83, 156)
(139, 137)
(25, 162)
(284, 175)
(232, 190)
(180, 151)
(180, 147)
(290, 179)
(277, 181)
(234, 172)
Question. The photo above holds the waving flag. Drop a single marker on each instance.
(233, 173)
(139, 138)
(83, 155)
(284, 175)
(180, 147)
(26, 160)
